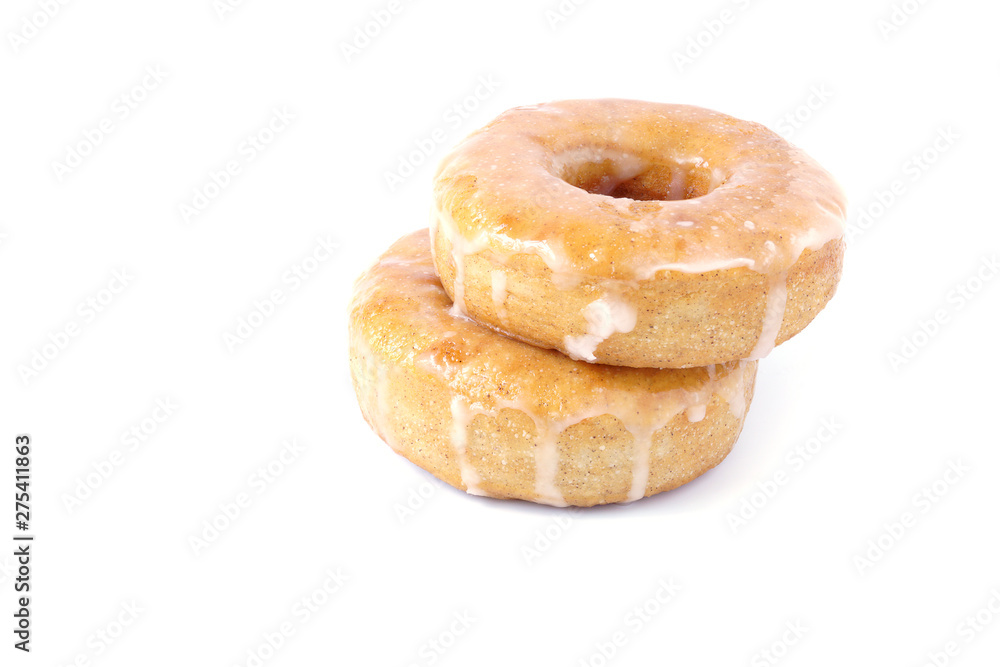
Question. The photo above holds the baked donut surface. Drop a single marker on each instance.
(637, 234)
(498, 417)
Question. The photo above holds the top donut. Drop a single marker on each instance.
(637, 234)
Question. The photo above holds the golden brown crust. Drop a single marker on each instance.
(498, 417)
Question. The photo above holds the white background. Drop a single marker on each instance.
(879, 98)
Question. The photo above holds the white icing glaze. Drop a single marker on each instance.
(774, 315)
(642, 447)
(461, 248)
(373, 384)
(498, 282)
(459, 252)
(733, 392)
(606, 316)
(547, 464)
(678, 185)
(696, 413)
(461, 420)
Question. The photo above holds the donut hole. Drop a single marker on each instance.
(667, 183)
(629, 177)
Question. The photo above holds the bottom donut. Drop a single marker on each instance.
(497, 417)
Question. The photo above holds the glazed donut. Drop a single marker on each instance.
(637, 234)
(498, 417)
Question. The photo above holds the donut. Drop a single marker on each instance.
(637, 234)
(498, 417)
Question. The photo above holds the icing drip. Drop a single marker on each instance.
(734, 392)
(696, 413)
(678, 185)
(663, 410)
(498, 281)
(774, 315)
(374, 384)
(605, 317)
(462, 416)
(461, 248)
(547, 465)
(642, 446)
(382, 396)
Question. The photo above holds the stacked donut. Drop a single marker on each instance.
(583, 321)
